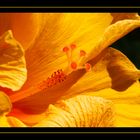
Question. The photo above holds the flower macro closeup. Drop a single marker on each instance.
(58, 70)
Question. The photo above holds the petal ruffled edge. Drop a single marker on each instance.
(13, 70)
(79, 111)
(113, 33)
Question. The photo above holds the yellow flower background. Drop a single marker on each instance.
(57, 70)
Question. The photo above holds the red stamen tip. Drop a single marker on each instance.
(82, 53)
(72, 46)
(88, 67)
(74, 65)
(65, 49)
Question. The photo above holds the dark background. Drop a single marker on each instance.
(130, 46)
(69, 2)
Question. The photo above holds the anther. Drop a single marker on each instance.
(65, 49)
(74, 65)
(57, 77)
(82, 53)
(72, 46)
(87, 67)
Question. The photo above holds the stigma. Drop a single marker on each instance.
(75, 64)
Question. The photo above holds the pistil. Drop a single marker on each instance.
(57, 77)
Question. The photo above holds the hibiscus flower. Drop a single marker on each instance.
(57, 70)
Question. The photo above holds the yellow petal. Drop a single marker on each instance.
(130, 95)
(14, 122)
(128, 115)
(12, 63)
(10, 122)
(25, 26)
(122, 16)
(46, 55)
(5, 104)
(3, 122)
(80, 111)
(27, 117)
(5, 108)
(126, 104)
(113, 33)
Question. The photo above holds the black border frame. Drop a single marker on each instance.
(62, 7)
